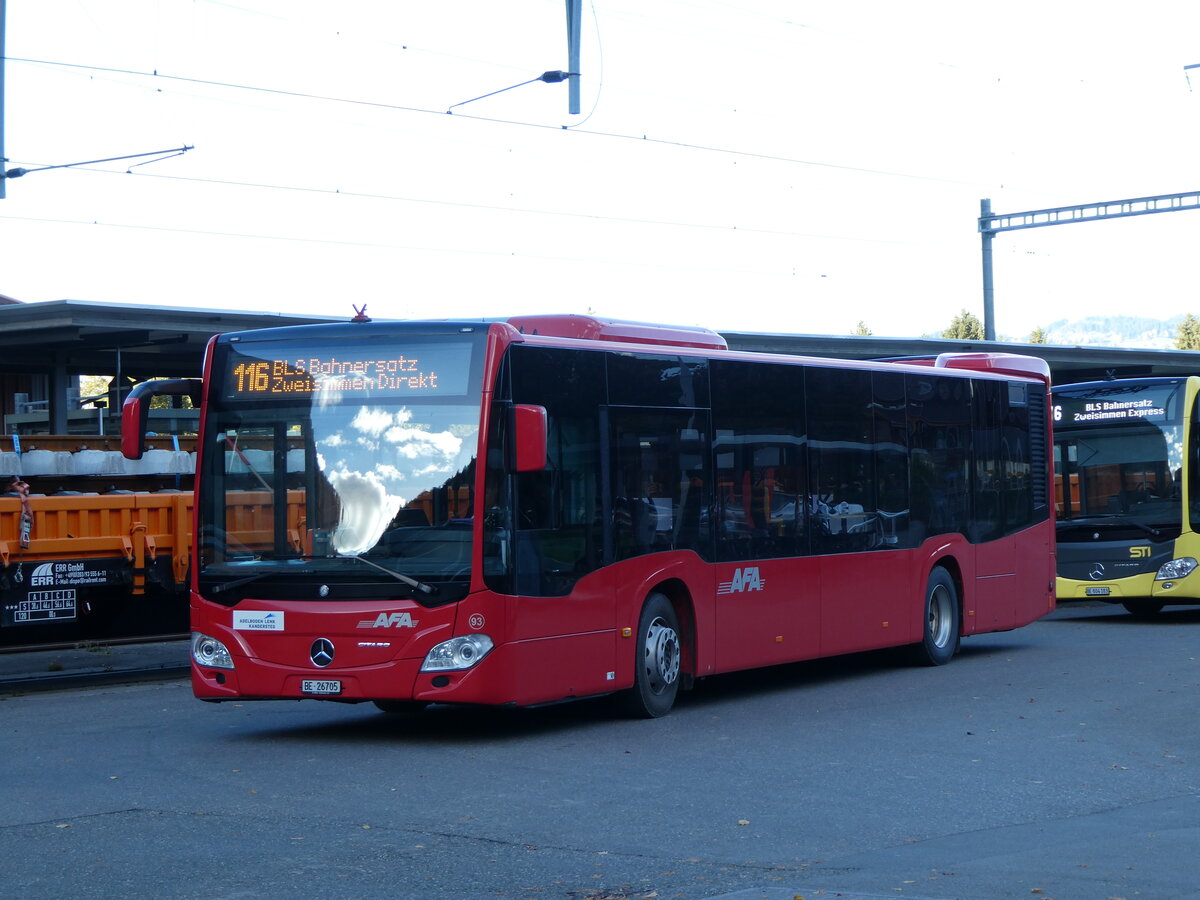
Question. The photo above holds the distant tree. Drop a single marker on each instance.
(1188, 336)
(1037, 336)
(92, 385)
(965, 327)
(96, 387)
(861, 329)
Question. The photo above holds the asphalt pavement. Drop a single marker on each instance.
(33, 669)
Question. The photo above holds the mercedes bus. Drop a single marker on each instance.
(1125, 492)
(528, 511)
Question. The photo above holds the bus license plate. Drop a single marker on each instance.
(1097, 591)
(309, 686)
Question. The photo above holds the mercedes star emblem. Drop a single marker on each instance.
(321, 652)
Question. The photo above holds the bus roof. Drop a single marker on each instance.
(590, 328)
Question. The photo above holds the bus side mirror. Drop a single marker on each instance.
(136, 408)
(530, 437)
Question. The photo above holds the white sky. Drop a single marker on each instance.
(753, 165)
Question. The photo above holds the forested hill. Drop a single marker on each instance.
(1113, 331)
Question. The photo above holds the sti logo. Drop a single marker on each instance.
(42, 576)
(1137, 552)
(746, 579)
(389, 620)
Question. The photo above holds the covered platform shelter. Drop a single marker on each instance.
(45, 346)
(1068, 364)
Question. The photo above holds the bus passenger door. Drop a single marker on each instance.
(660, 490)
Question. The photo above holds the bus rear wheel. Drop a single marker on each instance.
(1143, 609)
(656, 664)
(940, 631)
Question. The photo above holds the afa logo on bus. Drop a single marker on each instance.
(392, 620)
(744, 579)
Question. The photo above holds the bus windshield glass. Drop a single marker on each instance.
(338, 463)
(1118, 455)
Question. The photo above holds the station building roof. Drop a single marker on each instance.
(92, 338)
(44, 345)
(88, 338)
(64, 338)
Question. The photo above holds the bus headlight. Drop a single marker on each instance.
(457, 653)
(208, 651)
(1176, 568)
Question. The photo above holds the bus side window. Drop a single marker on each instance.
(841, 452)
(758, 452)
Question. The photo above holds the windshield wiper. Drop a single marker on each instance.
(238, 582)
(421, 586)
(1110, 519)
(399, 576)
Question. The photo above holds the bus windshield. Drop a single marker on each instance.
(1118, 456)
(327, 467)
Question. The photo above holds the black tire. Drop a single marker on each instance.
(656, 661)
(942, 621)
(1143, 609)
(400, 707)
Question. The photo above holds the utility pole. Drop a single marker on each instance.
(989, 291)
(3, 158)
(574, 12)
(990, 224)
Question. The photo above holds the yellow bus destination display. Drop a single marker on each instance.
(412, 371)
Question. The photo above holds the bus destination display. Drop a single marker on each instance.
(414, 371)
(1111, 408)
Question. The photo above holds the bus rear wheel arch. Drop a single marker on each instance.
(941, 628)
(658, 653)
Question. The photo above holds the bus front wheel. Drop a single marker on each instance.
(1143, 609)
(400, 707)
(941, 622)
(656, 663)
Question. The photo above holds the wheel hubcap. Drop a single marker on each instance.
(940, 616)
(662, 655)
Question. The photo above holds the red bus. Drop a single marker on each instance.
(552, 507)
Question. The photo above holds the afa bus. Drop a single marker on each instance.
(1127, 492)
(528, 511)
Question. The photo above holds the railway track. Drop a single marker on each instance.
(69, 664)
(91, 644)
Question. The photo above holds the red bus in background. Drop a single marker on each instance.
(553, 507)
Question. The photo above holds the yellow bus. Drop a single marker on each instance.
(1126, 492)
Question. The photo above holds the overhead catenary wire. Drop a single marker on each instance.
(399, 107)
(159, 155)
(457, 250)
(488, 207)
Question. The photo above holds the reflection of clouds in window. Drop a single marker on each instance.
(368, 452)
(412, 443)
(366, 509)
(374, 421)
(330, 393)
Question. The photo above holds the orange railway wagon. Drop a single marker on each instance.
(109, 565)
(93, 565)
